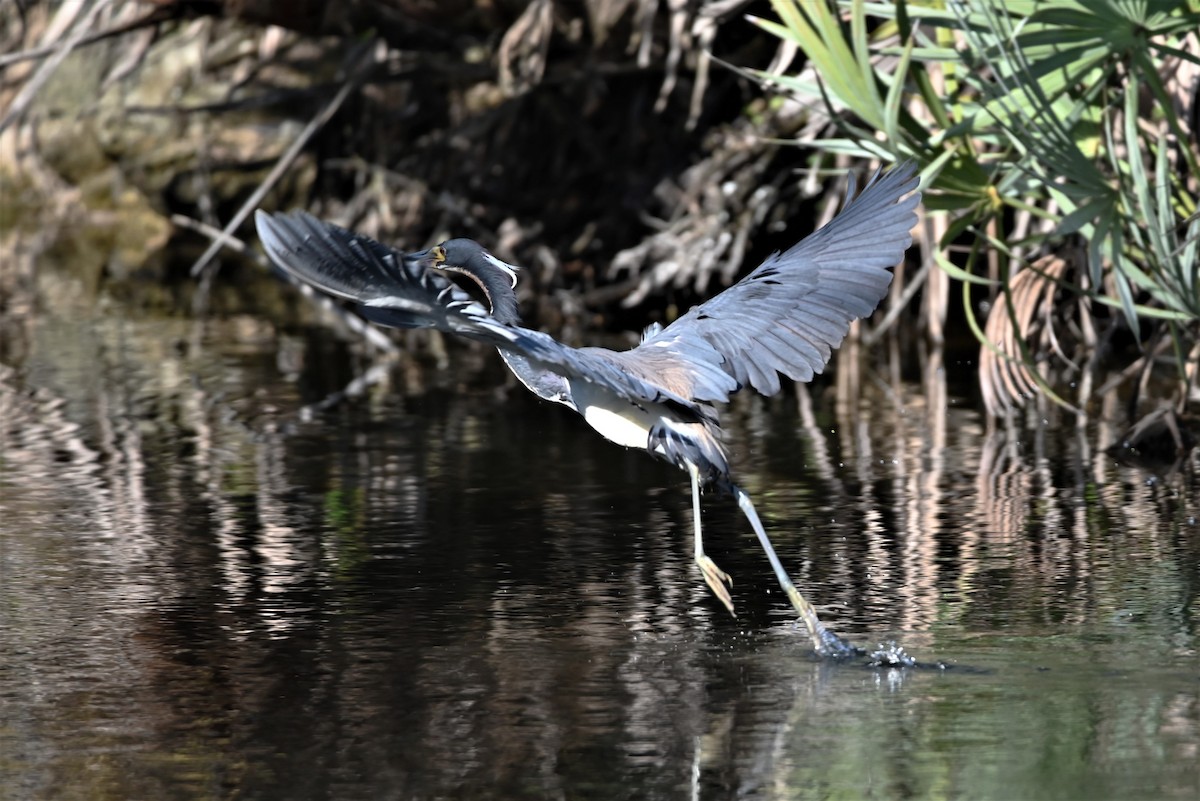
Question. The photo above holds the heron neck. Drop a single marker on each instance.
(504, 303)
(496, 286)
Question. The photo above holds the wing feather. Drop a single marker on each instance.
(808, 295)
(355, 267)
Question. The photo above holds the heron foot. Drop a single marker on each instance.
(716, 579)
(824, 641)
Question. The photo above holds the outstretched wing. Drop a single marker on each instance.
(397, 292)
(355, 267)
(788, 315)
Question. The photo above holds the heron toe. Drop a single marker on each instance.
(716, 579)
(824, 641)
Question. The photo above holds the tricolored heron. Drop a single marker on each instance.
(784, 318)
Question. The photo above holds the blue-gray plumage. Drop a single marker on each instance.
(783, 319)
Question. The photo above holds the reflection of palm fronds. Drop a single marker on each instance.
(1006, 369)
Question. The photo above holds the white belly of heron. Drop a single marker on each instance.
(616, 419)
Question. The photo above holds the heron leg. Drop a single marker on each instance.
(824, 641)
(713, 575)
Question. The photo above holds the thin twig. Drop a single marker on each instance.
(362, 66)
(215, 234)
(1132, 369)
(152, 18)
(372, 335)
(31, 88)
(893, 314)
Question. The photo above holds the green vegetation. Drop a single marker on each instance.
(1056, 137)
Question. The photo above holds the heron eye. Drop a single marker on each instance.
(439, 254)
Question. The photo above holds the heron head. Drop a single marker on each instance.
(469, 257)
(497, 279)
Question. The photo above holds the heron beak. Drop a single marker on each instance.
(433, 258)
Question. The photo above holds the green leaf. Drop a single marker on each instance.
(958, 273)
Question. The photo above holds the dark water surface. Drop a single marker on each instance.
(447, 591)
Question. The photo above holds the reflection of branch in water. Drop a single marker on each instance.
(822, 464)
(42, 445)
(1022, 514)
(1003, 489)
(925, 489)
(375, 374)
(912, 428)
(48, 456)
(374, 336)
